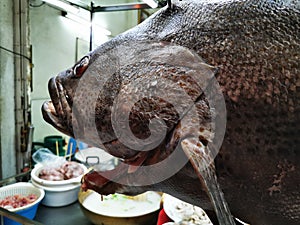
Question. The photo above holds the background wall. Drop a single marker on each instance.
(7, 91)
(53, 39)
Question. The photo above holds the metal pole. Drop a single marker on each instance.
(91, 26)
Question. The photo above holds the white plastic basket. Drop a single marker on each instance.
(24, 189)
(48, 183)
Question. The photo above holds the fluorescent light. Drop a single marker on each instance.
(63, 6)
(87, 23)
(78, 19)
(152, 3)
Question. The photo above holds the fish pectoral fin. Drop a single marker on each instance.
(201, 158)
(197, 153)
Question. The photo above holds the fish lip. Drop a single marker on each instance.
(50, 116)
(100, 181)
(135, 157)
(58, 111)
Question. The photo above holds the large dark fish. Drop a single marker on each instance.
(253, 49)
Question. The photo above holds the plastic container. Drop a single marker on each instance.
(48, 183)
(57, 193)
(50, 143)
(60, 195)
(97, 158)
(24, 189)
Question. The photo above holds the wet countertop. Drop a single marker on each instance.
(65, 215)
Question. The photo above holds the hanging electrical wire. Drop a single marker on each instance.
(15, 53)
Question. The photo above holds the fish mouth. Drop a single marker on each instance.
(58, 110)
(110, 181)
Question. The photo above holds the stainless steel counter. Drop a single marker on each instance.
(67, 215)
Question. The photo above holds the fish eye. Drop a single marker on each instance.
(80, 67)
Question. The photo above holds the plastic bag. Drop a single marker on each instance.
(45, 157)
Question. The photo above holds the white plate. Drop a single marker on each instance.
(92, 154)
(117, 205)
(179, 211)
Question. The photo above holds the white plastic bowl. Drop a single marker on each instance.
(59, 196)
(57, 193)
(48, 183)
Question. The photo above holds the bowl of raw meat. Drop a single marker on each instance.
(61, 183)
(21, 198)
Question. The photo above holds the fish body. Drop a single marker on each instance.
(253, 49)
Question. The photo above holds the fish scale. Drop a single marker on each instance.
(253, 47)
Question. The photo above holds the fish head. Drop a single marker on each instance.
(58, 111)
(131, 100)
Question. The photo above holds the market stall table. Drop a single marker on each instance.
(66, 215)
